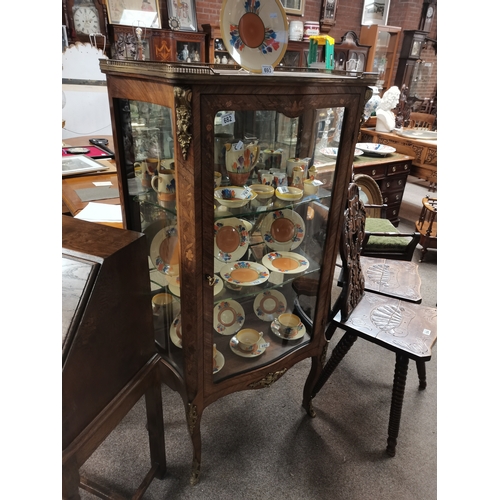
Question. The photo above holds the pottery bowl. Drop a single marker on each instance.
(234, 196)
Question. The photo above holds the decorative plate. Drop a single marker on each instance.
(229, 317)
(164, 251)
(259, 348)
(285, 262)
(230, 239)
(219, 362)
(372, 148)
(175, 329)
(234, 196)
(283, 230)
(269, 305)
(174, 23)
(333, 152)
(255, 33)
(276, 331)
(244, 273)
(425, 135)
(369, 193)
(174, 285)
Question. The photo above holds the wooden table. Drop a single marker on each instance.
(389, 172)
(72, 203)
(424, 164)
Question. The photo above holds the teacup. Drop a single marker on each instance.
(248, 338)
(280, 180)
(152, 165)
(289, 325)
(142, 167)
(310, 187)
(267, 178)
(164, 184)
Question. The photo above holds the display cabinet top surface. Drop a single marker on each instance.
(205, 73)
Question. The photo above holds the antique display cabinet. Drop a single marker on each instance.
(384, 43)
(225, 260)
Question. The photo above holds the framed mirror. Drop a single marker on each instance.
(375, 12)
(294, 6)
(142, 13)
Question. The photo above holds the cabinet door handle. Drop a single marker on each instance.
(211, 279)
(393, 169)
(374, 172)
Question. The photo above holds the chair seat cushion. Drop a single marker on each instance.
(385, 243)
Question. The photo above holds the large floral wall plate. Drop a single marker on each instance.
(254, 32)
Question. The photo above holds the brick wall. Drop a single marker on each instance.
(403, 13)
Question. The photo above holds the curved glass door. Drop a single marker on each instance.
(272, 193)
(150, 167)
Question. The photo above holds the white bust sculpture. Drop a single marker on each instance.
(386, 121)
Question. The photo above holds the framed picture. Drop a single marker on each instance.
(182, 15)
(142, 13)
(329, 11)
(294, 6)
(375, 12)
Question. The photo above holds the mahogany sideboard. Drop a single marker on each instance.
(424, 164)
(390, 173)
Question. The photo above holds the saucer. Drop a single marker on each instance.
(298, 335)
(259, 348)
(173, 331)
(229, 317)
(269, 305)
(219, 362)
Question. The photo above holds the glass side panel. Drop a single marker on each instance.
(270, 219)
(381, 55)
(149, 167)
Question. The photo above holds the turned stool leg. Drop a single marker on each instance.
(421, 374)
(398, 392)
(341, 349)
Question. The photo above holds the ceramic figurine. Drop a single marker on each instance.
(224, 59)
(372, 105)
(386, 121)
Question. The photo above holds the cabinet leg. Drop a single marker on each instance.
(307, 395)
(193, 415)
(70, 482)
(156, 432)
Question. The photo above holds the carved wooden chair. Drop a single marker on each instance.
(426, 225)
(409, 330)
(422, 121)
(381, 238)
